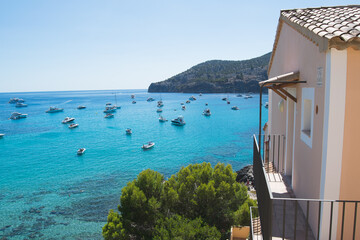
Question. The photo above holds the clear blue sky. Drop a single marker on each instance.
(48, 45)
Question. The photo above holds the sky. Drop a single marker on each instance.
(49, 45)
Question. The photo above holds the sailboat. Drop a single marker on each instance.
(116, 106)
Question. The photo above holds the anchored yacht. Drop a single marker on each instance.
(54, 110)
(16, 116)
(68, 119)
(178, 121)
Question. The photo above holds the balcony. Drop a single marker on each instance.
(282, 215)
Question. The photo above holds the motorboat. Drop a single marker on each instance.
(68, 119)
(160, 105)
(159, 110)
(224, 99)
(207, 112)
(73, 125)
(16, 116)
(188, 101)
(81, 151)
(200, 94)
(162, 119)
(183, 108)
(266, 105)
(132, 96)
(133, 102)
(109, 115)
(108, 104)
(109, 110)
(148, 145)
(239, 95)
(116, 107)
(248, 96)
(206, 104)
(20, 104)
(234, 108)
(16, 100)
(178, 121)
(150, 99)
(182, 103)
(192, 98)
(128, 131)
(81, 107)
(54, 110)
(228, 102)
(2, 135)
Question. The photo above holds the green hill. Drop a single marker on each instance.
(217, 76)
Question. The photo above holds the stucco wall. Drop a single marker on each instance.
(350, 179)
(296, 53)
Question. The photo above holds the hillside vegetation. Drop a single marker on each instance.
(217, 76)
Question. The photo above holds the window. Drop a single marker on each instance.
(307, 115)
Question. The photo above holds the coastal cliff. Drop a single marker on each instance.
(217, 76)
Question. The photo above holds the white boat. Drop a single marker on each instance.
(133, 102)
(109, 110)
(159, 110)
(54, 110)
(2, 134)
(162, 119)
(16, 115)
(81, 151)
(183, 108)
(239, 95)
(192, 98)
(200, 94)
(266, 105)
(150, 99)
(178, 121)
(132, 96)
(16, 100)
(73, 125)
(160, 105)
(207, 112)
(20, 104)
(235, 108)
(108, 104)
(188, 101)
(148, 145)
(68, 119)
(109, 115)
(128, 131)
(81, 107)
(116, 107)
(182, 103)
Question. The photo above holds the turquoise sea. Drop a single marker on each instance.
(48, 192)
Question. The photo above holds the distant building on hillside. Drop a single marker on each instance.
(306, 165)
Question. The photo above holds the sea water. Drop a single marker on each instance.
(47, 191)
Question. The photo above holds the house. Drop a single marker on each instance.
(306, 166)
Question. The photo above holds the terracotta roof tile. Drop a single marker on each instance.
(340, 21)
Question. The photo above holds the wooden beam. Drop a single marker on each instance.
(278, 93)
(282, 85)
(288, 94)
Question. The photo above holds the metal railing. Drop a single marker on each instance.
(299, 218)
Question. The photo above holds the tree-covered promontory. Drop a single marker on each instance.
(198, 202)
(218, 76)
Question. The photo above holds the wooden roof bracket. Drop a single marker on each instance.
(288, 94)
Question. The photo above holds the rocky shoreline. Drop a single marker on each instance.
(245, 175)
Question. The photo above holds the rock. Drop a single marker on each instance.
(245, 174)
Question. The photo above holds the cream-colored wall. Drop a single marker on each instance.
(350, 178)
(296, 53)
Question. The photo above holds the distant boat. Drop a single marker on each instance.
(2, 135)
(235, 108)
(73, 125)
(200, 94)
(109, 115)
(19, 104)
(192, 98)
(16, 100)
(109, 110)
(160, 105)
(150, 99)
(266, 105)
(162, 119)
(133, 102)
(68, 119)
(228, 102)
(182, 103)
(206, 104)
(132, 96)
(16, 116)
(178, 121)
(81, 151)
(54, 110)
(207, 112)
(128, 131)
(108, 104)
(116, 106)
(188, 101)
(239, 95)
(224, 99)
(183, 108)
(81, 107)
(159, 110)
(148, 145)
